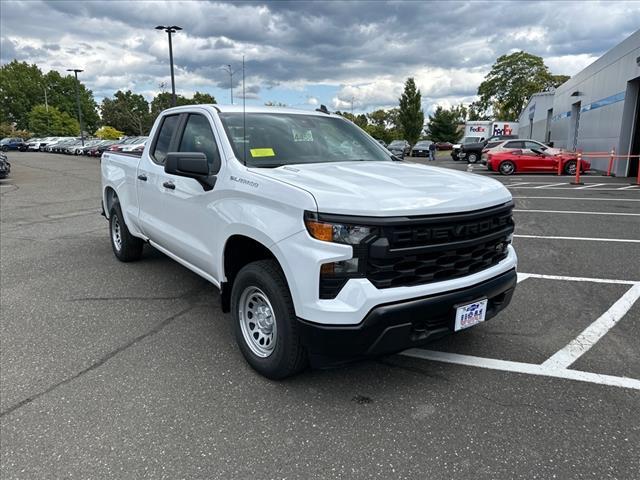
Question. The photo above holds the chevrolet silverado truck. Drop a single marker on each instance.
(324, 247)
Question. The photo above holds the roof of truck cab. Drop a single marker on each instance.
(252, 109)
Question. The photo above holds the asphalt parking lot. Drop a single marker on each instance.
(131, 370)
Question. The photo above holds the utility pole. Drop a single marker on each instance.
(227, 68)
(76, 71)
(352, 98)
(170, 30)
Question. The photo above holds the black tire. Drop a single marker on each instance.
(288, 356)
(507, 168)
(455, 158)
(472, 157)
(128, 248)
(5, 148)
(570, 167)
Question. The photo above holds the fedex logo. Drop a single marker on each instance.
(505, 130)
(477, 129)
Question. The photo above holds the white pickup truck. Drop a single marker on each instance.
(325, 248)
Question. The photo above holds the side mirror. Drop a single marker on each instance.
(537, 151)
(396, 159)
(191, 165)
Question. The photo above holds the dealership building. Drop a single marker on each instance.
(594, 111)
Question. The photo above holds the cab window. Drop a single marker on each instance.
(514, 145)
(198, 137)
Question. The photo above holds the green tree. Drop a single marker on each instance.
(512, 80)
(108, 133)
(411, 116)
(200, 98)
(443, 124)
(128, 112)
(61, 93)
(21, 88)
(162, 101)
(43, 122)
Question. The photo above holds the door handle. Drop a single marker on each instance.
(169, 185)
(142, 177)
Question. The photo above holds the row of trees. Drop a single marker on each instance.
(131, 113)
(45, 104)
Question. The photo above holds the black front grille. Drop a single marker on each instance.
(430, 249)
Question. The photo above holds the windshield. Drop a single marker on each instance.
(466, 140)
(275, 139)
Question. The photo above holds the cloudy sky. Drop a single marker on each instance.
(307, 53)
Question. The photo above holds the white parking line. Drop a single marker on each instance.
(519, 367)
(551, 185)
(519, 183)
(575, 279)
(594, 332)
(602, 199)
(630, 187)
(588, 239)
(591, 186)
(577, 212)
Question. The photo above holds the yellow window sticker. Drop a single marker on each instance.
(262, 152)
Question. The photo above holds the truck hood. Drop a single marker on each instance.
(384, 189)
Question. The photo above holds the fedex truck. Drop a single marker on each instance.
(486, 129)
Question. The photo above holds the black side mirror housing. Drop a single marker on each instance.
(191, 165)
(537, 152)
(396, 158)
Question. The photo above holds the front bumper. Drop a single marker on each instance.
(392, 327)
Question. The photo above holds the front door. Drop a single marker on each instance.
(176, 210)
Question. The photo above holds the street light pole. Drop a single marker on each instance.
(227, 68)
(170, 30)
(76, 71)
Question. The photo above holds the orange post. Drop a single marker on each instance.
(578, 166)
(559, 166)
(611, 157)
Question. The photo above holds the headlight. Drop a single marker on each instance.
(335, 232)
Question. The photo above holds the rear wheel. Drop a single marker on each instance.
(507, 168)
(126, 247)
(265, 322)
(472, 157)
(570, 167)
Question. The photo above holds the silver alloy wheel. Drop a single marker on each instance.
(257, 321)
(506, 168)
(571, 168)
(473, 158)
(116, 233)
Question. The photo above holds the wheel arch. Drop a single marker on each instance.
(240, 250)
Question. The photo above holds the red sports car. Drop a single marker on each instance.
(509, 162)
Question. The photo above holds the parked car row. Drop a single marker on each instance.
(92, 147)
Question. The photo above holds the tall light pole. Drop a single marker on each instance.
(227, 68)
(76, 71)
(170, 30)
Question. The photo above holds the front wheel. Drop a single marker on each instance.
(265, 322)
(126, 247)
(507, 168)
(5, 148)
